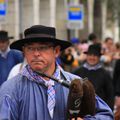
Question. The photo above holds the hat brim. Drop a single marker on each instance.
(20, 43)
(6, 38)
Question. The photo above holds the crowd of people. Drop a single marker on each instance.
(26, 95)
(99, 61)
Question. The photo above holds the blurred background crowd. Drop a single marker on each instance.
(76, 59)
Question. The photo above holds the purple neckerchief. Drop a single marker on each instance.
(31, 75)
(95, 67)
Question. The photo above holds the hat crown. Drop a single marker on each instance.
(94, 49)
(4, 35)
(40, 31)
(2, 32)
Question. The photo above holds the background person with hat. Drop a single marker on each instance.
(8, 57)
(95, 72)
(29, 96)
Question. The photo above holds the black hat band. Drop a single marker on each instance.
(39, 35)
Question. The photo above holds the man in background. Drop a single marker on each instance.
(8, 57)
(95, 72)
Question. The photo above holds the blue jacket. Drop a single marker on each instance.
(13, 57)
(23, 99)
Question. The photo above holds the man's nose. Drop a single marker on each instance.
(37, 52)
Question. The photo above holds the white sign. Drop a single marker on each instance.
(75, 17)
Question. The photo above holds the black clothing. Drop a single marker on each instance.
(67, 58)
(102, 82)
(116, 78)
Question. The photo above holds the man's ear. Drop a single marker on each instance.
(23, 50)
(57, 51)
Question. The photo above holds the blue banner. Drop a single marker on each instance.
(75, 13)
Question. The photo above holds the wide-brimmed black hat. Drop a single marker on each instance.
(94, 49)
(4, 36)
(40, 33)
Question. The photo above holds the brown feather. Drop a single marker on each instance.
(81, 99)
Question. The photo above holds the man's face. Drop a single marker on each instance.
(4, 45)
(41, 56)
(92, 59)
